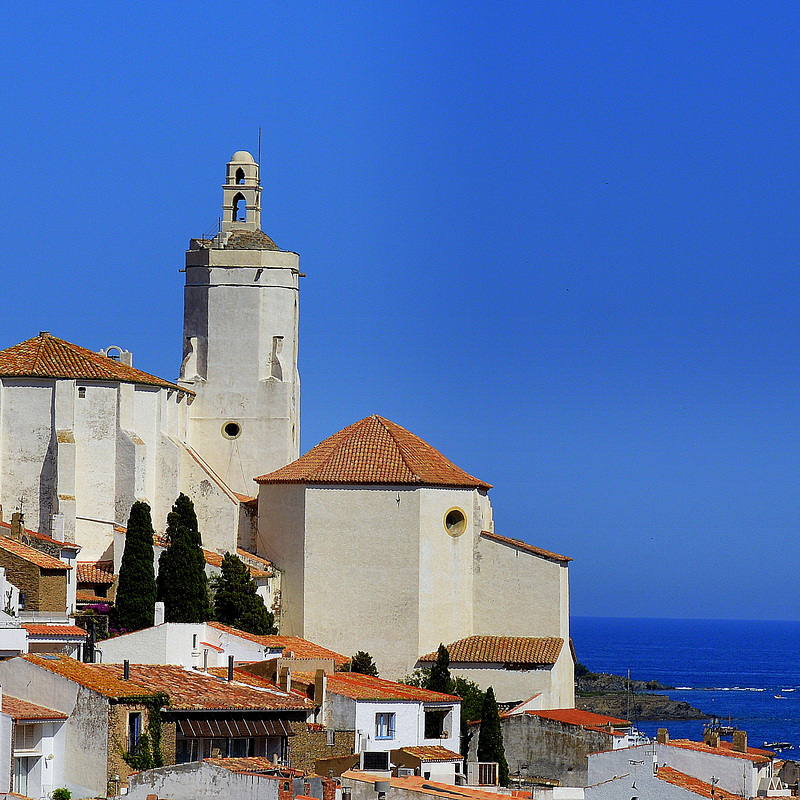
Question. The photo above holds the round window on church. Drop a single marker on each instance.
(231, 430)
(455, 522)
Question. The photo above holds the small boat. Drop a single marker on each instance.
(779, 697)
(778, 746)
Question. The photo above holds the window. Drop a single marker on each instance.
(455, 522)
(437, 723)
(384, 726)
(231, 430)
(240, 176)
(375, 760)
(81, 392)
(22, 601)
(25, 737)
(134, 730)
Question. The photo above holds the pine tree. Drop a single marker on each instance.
(440, 672)
(236, 602)
(490, 738)
(362, 662)
(181, 582)
(136, 592)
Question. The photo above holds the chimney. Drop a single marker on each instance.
(662, 737)
(319, 687)
(740, 741)
(158, 616)
(1, 513)
(126, 670)
(230, 668)
(17, 525)
(711, 737)
(285, 679)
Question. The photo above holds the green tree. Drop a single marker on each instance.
(236, 602)
(182, 584)
(440, 672)
(490, 738)
(362, 662)
(136, 592)
(472, 697)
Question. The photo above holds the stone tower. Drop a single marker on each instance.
(240, 340)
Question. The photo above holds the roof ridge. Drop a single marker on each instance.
(397, 444)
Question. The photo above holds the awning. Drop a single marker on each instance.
(238, 728)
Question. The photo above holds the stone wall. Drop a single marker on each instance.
(310, 743)
(118, 740)
(53, 591)
(545, 748)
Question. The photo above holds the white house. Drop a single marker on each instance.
(385, 717)
(681, 769)
(208, 644)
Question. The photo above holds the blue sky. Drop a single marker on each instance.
(556, 240)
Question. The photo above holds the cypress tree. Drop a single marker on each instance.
(490, 738)
(440, 672)
(181, 582)
(136, 592)
(236, 602)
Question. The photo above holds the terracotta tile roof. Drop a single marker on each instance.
(585, 719)
(503, 650)
(418, 785)
(92, 676)
(301, 648)
(249, 764)
(86, 596)
(374, 451)
(698, 787)
(43, 537)
(528, 548)
(70, 631)
(32, 556)
(192, 690)
(367, 687)
(46, 356)
(96, 572)
(753, 754)
(433, 753)
(215, 560)
(23, 711)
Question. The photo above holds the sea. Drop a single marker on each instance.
(744, 671)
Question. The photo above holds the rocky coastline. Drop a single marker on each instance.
(615, 696)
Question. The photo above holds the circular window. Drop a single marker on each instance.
(455, 522)
(231, 430)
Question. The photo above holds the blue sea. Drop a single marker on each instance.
(727, 668)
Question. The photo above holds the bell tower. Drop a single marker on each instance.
(240, 340)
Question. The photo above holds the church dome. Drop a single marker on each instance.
(374, 451)
(242, 157)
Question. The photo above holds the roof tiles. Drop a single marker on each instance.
(46, 356)
(433, 753)
(70, 631)
(374, 451)
(694, 785)
(503, 650)
(23, 711)
(367, 687)
(586, 719)
(754, 754)
(29, 554)
(96, 572)
(528, 548)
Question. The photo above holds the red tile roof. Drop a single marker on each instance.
(46, 356)
(528, 548)
(70, 631)
(421, 786)
(698, 787)
(192, 690)
(753, 754)
(215, 560)
(433, 753)
(23, 711)
(367, 687)
(31, 555)
(43, 537)
(301, 648)
(92, 676)
(248, 764)
(584, 719)
(374, 451)
(96, 572)
(503, 650)
(86, 596)
(188, 690)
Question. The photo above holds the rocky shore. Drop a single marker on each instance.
(609, 695)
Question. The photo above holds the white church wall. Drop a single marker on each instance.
(28, 445)
(281, 539)
(445, 567)
(362, 563)
(511, 684)
(503, 572)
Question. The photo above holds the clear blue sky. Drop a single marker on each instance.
(556, 240)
